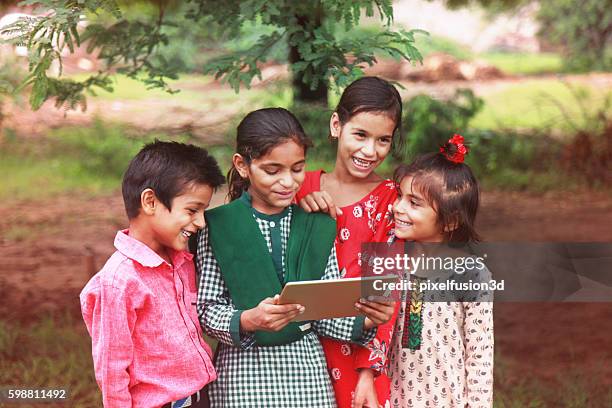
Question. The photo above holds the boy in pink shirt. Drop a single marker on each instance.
(140, 311)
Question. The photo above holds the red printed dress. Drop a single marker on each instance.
(368, 220)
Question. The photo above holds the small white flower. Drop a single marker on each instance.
(336, 373)
(345, 234)
(359, 258)
(357, 211)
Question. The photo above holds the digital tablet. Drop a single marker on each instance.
(326, 299)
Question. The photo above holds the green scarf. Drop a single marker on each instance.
(247, 266)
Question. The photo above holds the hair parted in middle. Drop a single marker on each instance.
(375, 95)
(258, 133)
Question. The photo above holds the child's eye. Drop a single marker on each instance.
(414, 203)
(385, 140)
(271, 172)
(297, 169)
(360, 135)
(192, 211)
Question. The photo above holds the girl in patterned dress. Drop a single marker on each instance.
(248, 250)
(442, 352)
(367, 126)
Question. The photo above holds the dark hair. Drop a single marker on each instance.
(258, 133)
(167, 168)
(372, 94)
(450, 188)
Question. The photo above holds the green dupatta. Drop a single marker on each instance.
(247, 266)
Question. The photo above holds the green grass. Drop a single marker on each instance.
(517, 387)
(49, 353)
(524, 63)
(128, 89)
(89, 160)
(535, 105)
(430, 44)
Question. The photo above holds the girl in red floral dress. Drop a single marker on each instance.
(366, 125)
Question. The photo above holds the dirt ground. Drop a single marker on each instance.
(50, 250)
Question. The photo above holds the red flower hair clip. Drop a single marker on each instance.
(455, 149)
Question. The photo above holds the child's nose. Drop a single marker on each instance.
(286, 181)
(399, 206)
(368, 148)
(199, 221)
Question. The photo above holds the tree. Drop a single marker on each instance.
(582, 28)
(317, 58)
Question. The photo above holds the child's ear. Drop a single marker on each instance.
(334, 126)
(148, 201)
(241, 165)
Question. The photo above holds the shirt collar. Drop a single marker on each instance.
(246, 198)
(141, 253)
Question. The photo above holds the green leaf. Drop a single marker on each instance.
(39, 92)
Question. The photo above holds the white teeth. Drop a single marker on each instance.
(362, 163)
(402, 223)
(186, 233)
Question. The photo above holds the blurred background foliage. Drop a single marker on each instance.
(539, 133)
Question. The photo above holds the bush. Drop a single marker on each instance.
(315, 121)
(11, 75)
(428, 122)
(589, 152)
(582, 29)
(102, 149)
(499, 158)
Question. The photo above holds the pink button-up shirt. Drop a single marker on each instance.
(147, 343)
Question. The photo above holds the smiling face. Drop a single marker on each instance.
(172, 228)
(415, 218)
(275, 177)
(363, 142)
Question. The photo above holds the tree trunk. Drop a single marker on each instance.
(302, 91)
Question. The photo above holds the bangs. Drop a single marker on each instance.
(430, 185)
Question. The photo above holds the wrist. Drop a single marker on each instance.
(366, 373)
(246, 322)
(368, 324)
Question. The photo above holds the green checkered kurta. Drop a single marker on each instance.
(291, 375)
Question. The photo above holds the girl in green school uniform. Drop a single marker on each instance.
(249, 249)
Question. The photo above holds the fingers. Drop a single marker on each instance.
(305, 204)
(281, 323)
(330, 203)
(327, 204)
(378, 313)
(320, 201)
(276, 322)
(271, 306)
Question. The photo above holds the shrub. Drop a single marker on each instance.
(103, 149)
(429, 122)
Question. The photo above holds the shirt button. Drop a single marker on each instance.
(272, 224)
